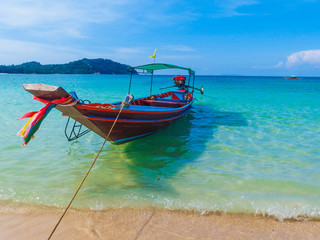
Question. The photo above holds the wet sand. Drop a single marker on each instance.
(25, 222)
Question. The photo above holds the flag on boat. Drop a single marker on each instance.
(154, 55)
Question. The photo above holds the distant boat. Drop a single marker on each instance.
(291, 77)
(140, 117)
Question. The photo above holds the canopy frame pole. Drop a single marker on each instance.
(189, 81)
(151, 83)
(193, 83)
(130, 82)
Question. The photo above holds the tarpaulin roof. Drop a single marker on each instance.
(159, 66)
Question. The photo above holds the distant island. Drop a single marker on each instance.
(83, 66)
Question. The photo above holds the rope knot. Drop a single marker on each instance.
(127, 101)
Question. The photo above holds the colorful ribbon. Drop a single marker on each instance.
(36, 118)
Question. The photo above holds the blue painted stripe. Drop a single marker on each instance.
(141, 120)
(156, 109)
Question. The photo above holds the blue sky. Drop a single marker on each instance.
(242, 37)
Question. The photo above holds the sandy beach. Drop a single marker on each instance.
(26, 222)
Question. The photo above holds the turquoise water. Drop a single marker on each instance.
(251, 144)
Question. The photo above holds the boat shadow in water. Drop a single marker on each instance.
(150, 162)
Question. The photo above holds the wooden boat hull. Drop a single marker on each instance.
(124, 131)
(131, 124)
(134, 122)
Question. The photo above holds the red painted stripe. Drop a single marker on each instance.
(125, 121)
(125, 111)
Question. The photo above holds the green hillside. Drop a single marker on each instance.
(84, 66)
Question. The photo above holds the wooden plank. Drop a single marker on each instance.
(44, 91)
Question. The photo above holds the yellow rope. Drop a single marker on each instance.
(85, 176)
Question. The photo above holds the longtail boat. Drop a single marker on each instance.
(291, 77)
(134, 118)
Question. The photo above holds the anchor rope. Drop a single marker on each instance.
(87, 173)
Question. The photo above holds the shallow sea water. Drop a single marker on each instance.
(250, 144)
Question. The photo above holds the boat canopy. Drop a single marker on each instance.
(159, 66)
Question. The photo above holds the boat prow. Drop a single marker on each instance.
(44, 91)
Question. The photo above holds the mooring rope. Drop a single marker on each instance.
(86, 175)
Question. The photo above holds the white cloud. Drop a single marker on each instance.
(174, 57)
(180, 48)
(230, 8)
(124, 54)
(59, 16)
(17, 52)
(127, 50)
(280, 64)
(73, 18)
(309, 57)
